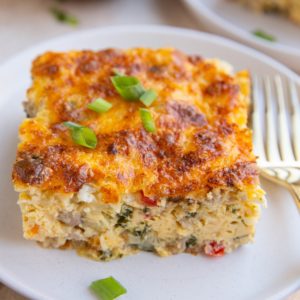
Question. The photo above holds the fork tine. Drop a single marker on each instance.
(271, 137)
(280, 169)
(273, 154)
(257, 122)
(295, 119)
(283, 130)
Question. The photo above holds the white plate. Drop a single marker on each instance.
(270, 267)
(237, 22)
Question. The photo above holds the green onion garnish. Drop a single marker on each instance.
(82, 135)
(148, 97)
(107, 288)
(118, 72)
(264, 35)
(64, 17)
(147, 120)
(128, 87)
(100, 105)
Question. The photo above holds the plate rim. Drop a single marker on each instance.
(5, 276)
(204, 11)
(148, 28)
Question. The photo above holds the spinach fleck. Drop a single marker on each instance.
(141, 232)
(191, 214)
(105, 255)
(124, 216)
(191, 242)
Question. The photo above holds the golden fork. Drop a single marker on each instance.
(276, 131)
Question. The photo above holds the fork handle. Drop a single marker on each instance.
(295, 191)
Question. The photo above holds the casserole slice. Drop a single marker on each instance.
(189, 186)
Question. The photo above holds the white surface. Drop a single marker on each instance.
(235, 21)
(24, 23)
(268, 268)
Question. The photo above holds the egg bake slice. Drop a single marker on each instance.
(188, 184)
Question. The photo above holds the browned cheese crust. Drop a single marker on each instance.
(202, 141)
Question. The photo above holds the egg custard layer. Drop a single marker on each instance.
(190, 186)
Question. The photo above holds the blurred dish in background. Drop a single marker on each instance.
(272, 34)
(288, 8)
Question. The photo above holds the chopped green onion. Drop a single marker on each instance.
(147, 120)
(148, 97)
(128, 87)
(264, 35)
(100, 105)
(118, 72)
(107, 288)
(72, 125)
(82, 135)
(64, 17)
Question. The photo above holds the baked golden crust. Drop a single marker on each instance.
(202, 141)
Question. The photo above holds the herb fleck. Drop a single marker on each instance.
(243, 221)
(191, 242)
(240, 237)
(232, 208)
(191, 214)
(146, 210)
(63, 17)
(105, 255)
(141, 232)
(124, 216)
(266, 36)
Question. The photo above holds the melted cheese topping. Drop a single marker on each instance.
(202, 141)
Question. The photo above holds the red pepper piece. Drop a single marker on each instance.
(214, 249)
(148, 201)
